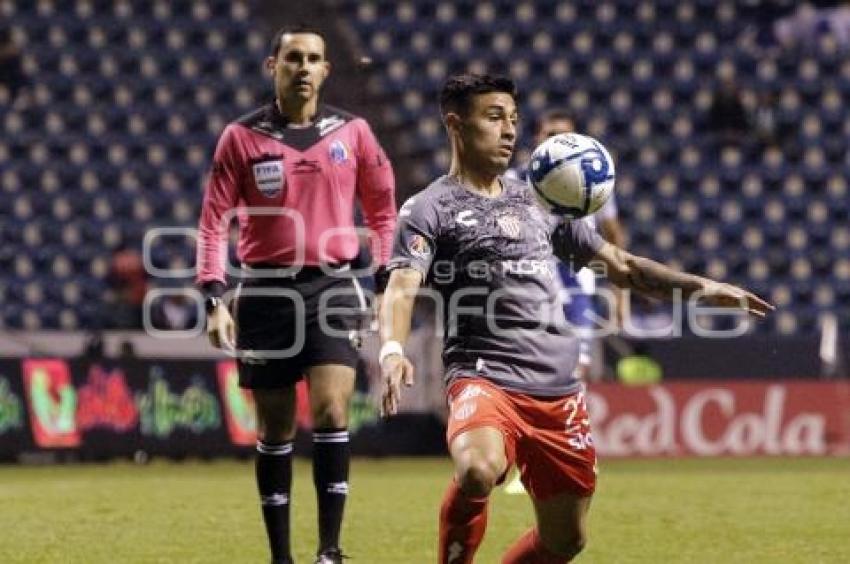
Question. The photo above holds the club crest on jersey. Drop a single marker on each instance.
(338, 152)
(419, 246)
(510, 226)
(269, 178)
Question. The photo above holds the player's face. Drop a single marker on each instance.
(488, 133)
(552, 127)
(300, 67)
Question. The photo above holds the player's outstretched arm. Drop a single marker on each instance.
(395, 318)
(612, 231)
(658, 281)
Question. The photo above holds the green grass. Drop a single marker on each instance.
(692, 511)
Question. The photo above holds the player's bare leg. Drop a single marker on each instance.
(479, 461)
(560, 533)
(331, 386)
(275, 431)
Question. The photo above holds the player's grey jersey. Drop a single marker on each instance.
(492, 262)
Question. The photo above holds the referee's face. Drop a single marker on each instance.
(300, 67)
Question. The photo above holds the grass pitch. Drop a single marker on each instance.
(691, 511)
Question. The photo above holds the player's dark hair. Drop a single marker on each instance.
(457, 92)
(274, 46)
(555, 114)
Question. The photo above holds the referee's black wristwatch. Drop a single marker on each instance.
(212, 292)
(211, 302)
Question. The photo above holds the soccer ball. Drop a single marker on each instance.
(572, 175)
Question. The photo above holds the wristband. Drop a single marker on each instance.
(211, 303)
(213, 288)
(388, 348)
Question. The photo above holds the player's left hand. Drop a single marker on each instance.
(395, 370)
(728, 296)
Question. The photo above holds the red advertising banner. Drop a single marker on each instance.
(711, 418)
(52, 402)
(239, 413)
(105, 401)
(76, 409)
(239, 410)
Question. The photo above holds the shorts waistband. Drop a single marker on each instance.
(263, 270)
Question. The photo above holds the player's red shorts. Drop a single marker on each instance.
(547, 438)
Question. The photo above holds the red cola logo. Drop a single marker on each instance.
(106, 401)
(709, 421)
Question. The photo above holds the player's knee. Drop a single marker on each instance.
(578, 543)
(274, 427)
(478, 474)
(330, 413)
(569, 544)
(275, 433)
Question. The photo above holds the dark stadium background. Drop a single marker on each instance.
(726, 120)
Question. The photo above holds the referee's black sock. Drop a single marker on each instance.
(331, 456)
(274, 480)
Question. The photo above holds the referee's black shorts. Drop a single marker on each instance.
(285, 325)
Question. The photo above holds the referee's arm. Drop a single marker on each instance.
(220, 196)
(376, 190)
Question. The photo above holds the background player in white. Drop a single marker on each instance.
(509, 362)
(582, 284)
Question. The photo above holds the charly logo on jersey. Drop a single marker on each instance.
(269, 177)
(419, 246)
(465, 218)
(338, 152)
(306, 166)
(328, 124)
(266, 127)
(510, 225)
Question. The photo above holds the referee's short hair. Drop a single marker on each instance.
(274, 46)
(457, 92)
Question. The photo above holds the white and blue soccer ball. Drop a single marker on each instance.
(572, 175)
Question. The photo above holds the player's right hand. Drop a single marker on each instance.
(394, 370)
(221, 330)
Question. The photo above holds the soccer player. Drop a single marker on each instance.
(291, 171)
(488, 249)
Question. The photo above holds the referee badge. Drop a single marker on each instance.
(269, 177)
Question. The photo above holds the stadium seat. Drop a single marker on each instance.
(639, 76)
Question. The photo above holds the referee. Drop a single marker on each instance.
(290, 171)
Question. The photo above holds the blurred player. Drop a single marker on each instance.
(482, 241)
(582, 284)
(293, 169)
